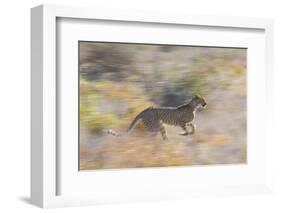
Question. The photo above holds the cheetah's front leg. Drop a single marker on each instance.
(185, 129)
(183, 126)
(193, 127)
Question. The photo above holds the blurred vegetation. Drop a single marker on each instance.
(118, 81)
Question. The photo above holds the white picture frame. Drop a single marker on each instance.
(45, 169)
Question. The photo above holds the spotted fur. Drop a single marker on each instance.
(154, 118)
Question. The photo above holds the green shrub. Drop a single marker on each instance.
(94, 94)
(96, 121)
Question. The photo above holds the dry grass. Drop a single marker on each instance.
(119, 81)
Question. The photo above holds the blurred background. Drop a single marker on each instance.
(118, 81)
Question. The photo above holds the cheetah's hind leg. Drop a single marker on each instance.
(163, 132)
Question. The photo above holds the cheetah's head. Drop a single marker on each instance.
(200, 100)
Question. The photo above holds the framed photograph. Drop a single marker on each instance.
(132, 106)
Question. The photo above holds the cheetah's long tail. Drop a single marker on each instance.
(130, 128)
